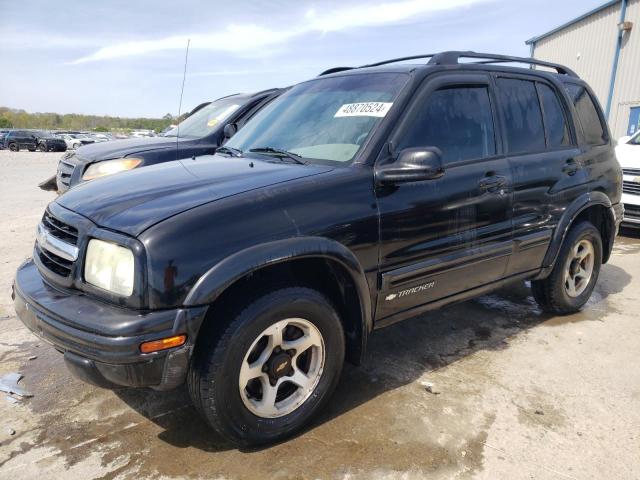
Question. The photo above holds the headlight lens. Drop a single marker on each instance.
(109, 167)
(110, 267)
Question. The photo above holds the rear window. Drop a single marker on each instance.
(594, 131)
(524, 130)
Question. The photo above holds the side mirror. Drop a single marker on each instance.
(412, 165)
(230, 130)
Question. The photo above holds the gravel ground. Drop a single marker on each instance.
(516, 393)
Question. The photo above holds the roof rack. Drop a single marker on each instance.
(335, 70)
(453, 57)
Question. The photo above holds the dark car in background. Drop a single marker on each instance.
(48, 142)
(32, 140)
(3, 133)
(199, 134)
(17, 140)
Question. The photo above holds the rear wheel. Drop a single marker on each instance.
(575, 273)
(42, 147)
(274, 366)
(14, 147)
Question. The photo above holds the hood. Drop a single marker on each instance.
(121, 148)
(628, 155)
(133, 201)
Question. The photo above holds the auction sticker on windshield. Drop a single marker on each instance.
(364, 109)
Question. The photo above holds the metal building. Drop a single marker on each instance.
(603, 47)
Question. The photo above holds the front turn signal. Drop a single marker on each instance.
(162, 344)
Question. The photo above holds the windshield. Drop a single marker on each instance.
(325, 120)
(207, 119)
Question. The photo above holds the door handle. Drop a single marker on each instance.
(570, 168)
(492, 183)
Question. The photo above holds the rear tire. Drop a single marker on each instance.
(14, 147)
(42, 147)
(574, 274)
(234, 374)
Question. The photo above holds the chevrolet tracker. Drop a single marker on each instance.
(359, 198)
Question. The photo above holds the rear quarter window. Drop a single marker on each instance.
(592, 127)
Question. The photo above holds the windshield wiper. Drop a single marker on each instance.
(233, 152)
(280, 154)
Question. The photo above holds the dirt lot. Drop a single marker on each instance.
(520, 394)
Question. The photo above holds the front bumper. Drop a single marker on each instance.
(108, 356)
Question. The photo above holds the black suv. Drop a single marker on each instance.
(352, 201)
(200, 134)
(33, 140)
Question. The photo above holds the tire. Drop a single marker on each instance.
(214, 378)
(555, 293)
(14, 147)
(42, 147)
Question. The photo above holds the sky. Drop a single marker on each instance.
(126, 58)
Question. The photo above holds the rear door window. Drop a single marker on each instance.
(457, 120)
(554, 118)
(524, 131)
(594, 131)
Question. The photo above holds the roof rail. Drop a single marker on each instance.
(335, 70)
(451, 58)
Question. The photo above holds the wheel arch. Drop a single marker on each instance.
(593, 206)
(319, 262)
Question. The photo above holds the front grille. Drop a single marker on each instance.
(632, 211)
(54, 263)
(631, 171)
(59, 229)
(65, 169)
(631, 187)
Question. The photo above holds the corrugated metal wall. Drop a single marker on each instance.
(627, 89)
(588, 47)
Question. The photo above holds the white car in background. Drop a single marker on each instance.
(72, 143)
(628, 153)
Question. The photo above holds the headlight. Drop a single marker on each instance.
(109, 167)
(110, 267)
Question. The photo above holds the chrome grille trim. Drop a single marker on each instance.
(48, 242)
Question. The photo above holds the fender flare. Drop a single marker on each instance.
(236, 266)
(580, 204)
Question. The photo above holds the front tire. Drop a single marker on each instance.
(574, 274)
(14, 147)
(271, 369)
(42, 147)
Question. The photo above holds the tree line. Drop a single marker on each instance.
(12, 118)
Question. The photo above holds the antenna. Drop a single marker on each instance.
(184, 76)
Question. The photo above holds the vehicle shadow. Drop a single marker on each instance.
(397, 356)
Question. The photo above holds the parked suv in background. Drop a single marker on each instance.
(48, 142)
(351, 202)
(201, 133)
(3, 133)
(628, 153)
(17, 140)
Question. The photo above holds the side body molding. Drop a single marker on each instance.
(217, 279)
(581, 203)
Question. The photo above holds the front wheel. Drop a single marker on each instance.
(574, 274)
(42, 147)
(274, 366)
(14, 147)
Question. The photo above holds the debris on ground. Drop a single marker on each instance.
(33, 357)
(11, 431)
(539, 412)
(9, 384)
(428, 386)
